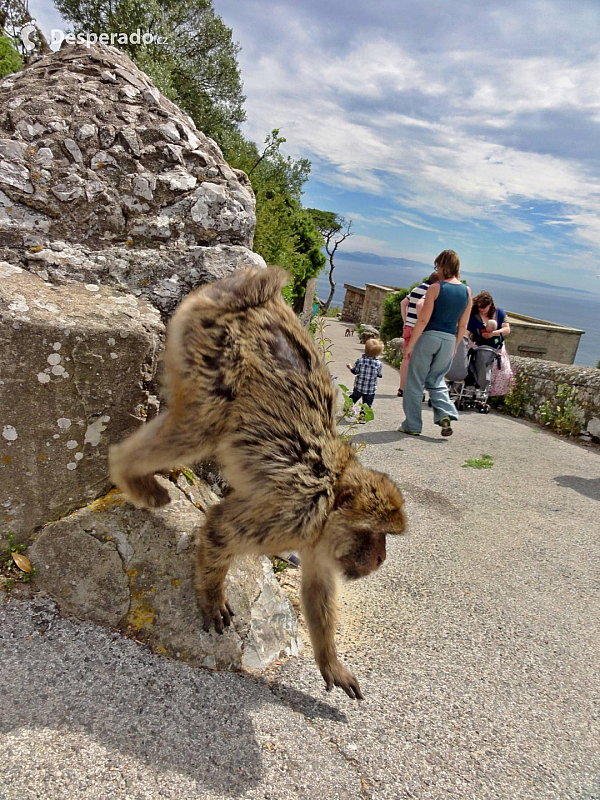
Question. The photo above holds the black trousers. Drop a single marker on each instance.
(366, 398)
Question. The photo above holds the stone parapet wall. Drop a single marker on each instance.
(535, 338)
(540, 381)
(372, 313)
(353, 304)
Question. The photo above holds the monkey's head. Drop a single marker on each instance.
(368, 507)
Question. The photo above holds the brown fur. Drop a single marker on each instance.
(247, 387)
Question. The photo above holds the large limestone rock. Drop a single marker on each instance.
(113, 206)
(75, 367)
(102, 179)
(135, 571)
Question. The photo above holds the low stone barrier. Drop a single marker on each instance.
(541, 380)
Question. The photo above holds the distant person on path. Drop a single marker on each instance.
(367, 369)
(440, 327)
(410, 308)
(488, 326)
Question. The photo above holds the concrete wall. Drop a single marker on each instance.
(372, 313)
(536, 338)
(540, 380)
(353, 303)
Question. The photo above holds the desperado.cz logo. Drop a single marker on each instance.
(57, 37)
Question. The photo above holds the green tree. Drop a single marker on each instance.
(334, 230)
(196, 67)
(285, 233)
(14, 15)
(10, 60)
(192, 60)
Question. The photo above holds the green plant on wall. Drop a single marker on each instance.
(516, 400)
(389, 355)
(564, 416)
(14, 566)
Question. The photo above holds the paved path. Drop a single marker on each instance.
(476, 647)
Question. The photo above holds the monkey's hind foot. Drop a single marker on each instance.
(338, 675)
(146, 492)
(220, 617)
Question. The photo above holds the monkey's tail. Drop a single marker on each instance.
(247, 288)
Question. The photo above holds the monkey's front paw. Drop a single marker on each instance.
(220, 617)
(338, 675)
(145, 491)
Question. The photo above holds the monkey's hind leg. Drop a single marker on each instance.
(157, 446)
(214, 558)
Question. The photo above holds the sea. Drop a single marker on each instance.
(575, 308)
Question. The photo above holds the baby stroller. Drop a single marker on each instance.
(470, 375)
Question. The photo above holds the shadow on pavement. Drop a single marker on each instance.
(91, 686)
(384, 437)
(589, 487)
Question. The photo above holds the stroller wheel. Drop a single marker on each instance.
(460, 405)
(486, 409)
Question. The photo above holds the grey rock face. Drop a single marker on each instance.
(160, 275)
(368, 332)
(113, 206)
(125, 567)
(396, 346)
(75, 364)
(92, 155)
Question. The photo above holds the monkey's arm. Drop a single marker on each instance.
(319, 604)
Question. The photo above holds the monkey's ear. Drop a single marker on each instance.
(343, 495)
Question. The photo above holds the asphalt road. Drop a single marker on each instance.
(476, 646)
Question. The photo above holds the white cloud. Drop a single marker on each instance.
(447, 171)
(412, 224)
(368, 244)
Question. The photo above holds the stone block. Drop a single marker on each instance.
(75, 365)
(132, 568)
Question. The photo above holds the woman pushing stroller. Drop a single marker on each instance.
(488, 326)
(440, 328)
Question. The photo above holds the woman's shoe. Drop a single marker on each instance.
(444, 424)
(400, 393)
(410, 433)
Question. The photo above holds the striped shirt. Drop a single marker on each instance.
(413, 298)
(367, 370)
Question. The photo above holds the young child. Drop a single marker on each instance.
(490, 327)
(367, 369)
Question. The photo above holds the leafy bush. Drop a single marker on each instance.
(392, 324)
(332, 311)
(390, 356)
(516, 400)
(564, 417)
(10, 60)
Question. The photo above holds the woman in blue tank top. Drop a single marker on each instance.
(441, 325)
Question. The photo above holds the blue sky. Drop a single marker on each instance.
(435, 124)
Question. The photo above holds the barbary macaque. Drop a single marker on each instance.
(247, 387)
